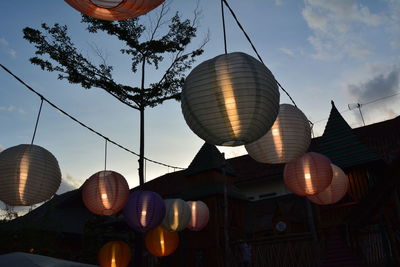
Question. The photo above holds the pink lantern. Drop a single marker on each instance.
(105, 192)
(309, 174)
(200, 215)
(335, 191)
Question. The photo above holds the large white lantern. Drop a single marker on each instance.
(177, 215)
(287, 140)
(230, 100)
(29, 174)
(335, 191)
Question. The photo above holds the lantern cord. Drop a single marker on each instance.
(37, 120)
(81, 123)
(105, 154)
(223, 26)
(253, 46)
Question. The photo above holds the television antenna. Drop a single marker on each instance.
(357, 105)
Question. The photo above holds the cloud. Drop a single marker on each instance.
(335, 28)
(68, 183)
(381, 85)
(11, 108)
(287, 51)
(278, 2)
(5, 47)
(1, 147)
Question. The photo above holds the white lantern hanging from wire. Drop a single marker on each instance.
(114, 9)
(29, 174)
(287, 140)
(200, 215)
(230, 100)
(177, 215)
(335, 191)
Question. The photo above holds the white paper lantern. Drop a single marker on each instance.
(200, 215)
(29, 174)
(335, 191)
(230, 100)
(177, 215)
(287, 140)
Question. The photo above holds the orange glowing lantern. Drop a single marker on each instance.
(29, 174)
(114, 254)
(309, 174)
(335, 191)
(105, 192)
(161, 242)
(114, 9)
(200, 215)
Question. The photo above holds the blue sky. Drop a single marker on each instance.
(343, 50)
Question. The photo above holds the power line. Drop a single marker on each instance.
(81, 123)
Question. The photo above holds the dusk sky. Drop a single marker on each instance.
(319, 50)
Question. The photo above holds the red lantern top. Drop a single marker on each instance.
(309, 174)
(114, 9)
(105, 192)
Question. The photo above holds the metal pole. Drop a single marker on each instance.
(226, 207)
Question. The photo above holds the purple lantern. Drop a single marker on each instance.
(144, 210)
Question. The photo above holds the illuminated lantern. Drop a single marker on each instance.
(114, 254)
(177, 215)
(105, 192)
(199, 215)
(114, 9)
(144, 210)
(161, 242)
(29, 174)
(309, 174)
(335, 191)
(230, 100)
(287, 140)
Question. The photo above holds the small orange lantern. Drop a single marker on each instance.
(309, 174)
(114, 254)
(114, 9)
(105, 192)
(160, 242)
(335, 191)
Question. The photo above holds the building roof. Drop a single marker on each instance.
(341, 144)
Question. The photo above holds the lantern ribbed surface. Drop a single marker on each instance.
(105, 192)
(335, 191)
(114, 9)
(287, 140)
(29, 174)
(177, 215)
(144, 210)
(230, 100)
(114, 254)
(199, 215)
(309, 174)
(161, 242)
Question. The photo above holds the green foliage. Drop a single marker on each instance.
(55, 51)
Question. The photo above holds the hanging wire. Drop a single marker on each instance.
(105, 154)
(81, 123)
(253, 46)
(223, 26)
(37, 120)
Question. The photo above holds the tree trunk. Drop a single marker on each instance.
(141, 153)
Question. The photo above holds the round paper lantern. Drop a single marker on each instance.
(177, 215)
(287, 140)
(144, 210)
(29, 174)
(199, 215)
(161, 242)
(114, 254)
(335, 191)
(105, 192)
(114, 9)
(309, 174)
(230, 100)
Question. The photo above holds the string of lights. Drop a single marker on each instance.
(81, 123)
